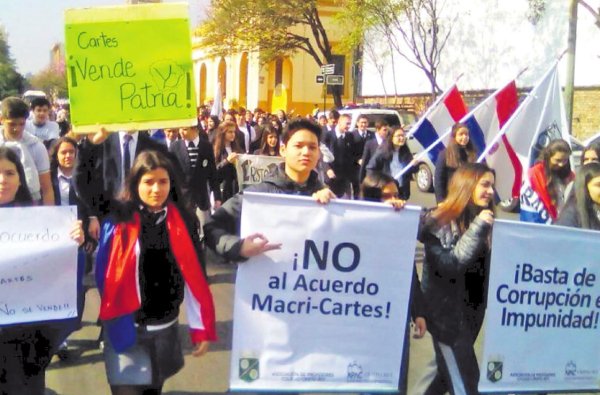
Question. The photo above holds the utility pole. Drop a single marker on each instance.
(572, 43)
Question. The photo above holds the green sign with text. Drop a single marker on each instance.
(130, 67)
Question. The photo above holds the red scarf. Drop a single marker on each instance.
(121, 295)
(539, 184)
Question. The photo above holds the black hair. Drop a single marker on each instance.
(23, 196)
(297, 125)
(380, 122)
(594, 146)
(146, 162)
(583, 202)
(372, 186)
(54, 152)
(14, 108)
(404, 154)
(39, 102)
(552, 178)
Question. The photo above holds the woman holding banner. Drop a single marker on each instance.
(26, 349)
(148, 264)
(460, 150)
(381, 187)
(583, 207)
(456, 237)
(391, 158)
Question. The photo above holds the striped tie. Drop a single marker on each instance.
(193, 153)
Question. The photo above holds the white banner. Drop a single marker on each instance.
(38, 264)
(252, 169)
(541, 330)
(326, 312)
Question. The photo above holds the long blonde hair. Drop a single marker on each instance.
(458, 205)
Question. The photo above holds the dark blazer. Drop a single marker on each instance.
(198, 179)
(227, 176)
(343, 152)
(381, 162)
(74, 200)
(98, 175)
(359, 143)
(368, 152)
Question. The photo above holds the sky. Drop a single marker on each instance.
(34, 26)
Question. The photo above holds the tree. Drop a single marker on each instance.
(272, 28)
(51, 80)
(414, 29)
(11, 82)
(537, 8)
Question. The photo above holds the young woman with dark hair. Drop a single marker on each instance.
(460, 150)
(550, 177)
(391, 158)
(269, 145)
(226, 148)
(149, 262)
(590, 154)
(381, 187)
(456, 238)
(276, 124)
(582, 210)
(26, 349)
(282, 117)
(212, 124)
(13, 177)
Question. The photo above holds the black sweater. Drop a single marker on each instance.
(161, 282)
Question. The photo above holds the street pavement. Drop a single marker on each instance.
(83, 372)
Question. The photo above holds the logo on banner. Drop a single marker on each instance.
(249, 368)
(552, 132)
(570, 368)
(494, 368)
(355, 372)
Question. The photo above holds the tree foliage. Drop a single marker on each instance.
(11, 82)
(272, 28)
(537, 8)
(52, 81)
(413, 29)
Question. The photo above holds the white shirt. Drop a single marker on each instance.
(196, 141)
(64, 187)
(249, 135)
(132, 147)
(362, 133)
(47, 131)
(379, 139)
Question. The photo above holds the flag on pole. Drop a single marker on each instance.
(486, 120)
(217, 107)
(443, 114)
(540, 119)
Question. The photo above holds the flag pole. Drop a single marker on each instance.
(438, 100)
(422, 154)
(502, 131)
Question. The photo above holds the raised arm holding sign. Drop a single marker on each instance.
(125, 72)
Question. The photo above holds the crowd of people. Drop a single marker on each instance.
(150, 202)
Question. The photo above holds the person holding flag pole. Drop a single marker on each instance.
(539, 120)
(446, 111)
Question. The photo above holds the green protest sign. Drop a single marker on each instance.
(130, 67)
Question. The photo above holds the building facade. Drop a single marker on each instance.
(288, 84)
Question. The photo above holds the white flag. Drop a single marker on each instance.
(540, 119)
(217, 107)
